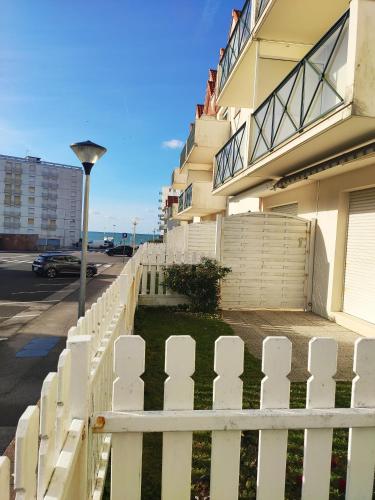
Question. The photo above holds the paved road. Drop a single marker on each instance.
(35, 315)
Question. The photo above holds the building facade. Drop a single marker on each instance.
(40, 199)
(291, 129)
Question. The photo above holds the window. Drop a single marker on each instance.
(7, 220)
(30, 221)
(7, 199)
(8, 188)
(17, 200)
(31, 189)
(31, 200)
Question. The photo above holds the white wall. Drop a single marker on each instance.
(35, 181)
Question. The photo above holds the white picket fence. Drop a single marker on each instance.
(57, 456)
(127, 421)
(155, 258)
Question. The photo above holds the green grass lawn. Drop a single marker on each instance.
(155, 325)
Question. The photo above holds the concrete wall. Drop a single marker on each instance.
(327, 201)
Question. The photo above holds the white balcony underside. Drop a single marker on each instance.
(332, 135)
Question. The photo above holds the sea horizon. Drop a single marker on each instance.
(118, 239)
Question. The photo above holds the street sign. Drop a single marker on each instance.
(124, 235)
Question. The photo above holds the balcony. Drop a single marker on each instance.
(12, 225)
(322, 107)
(236, 43)
(197, 201)
(314, 88)
(265, 46)
(49, 227)
(178, 179)
(206, 136)
(231, 158)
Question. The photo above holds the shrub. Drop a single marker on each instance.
(199, 282)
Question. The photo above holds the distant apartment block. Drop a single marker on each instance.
(41, 200)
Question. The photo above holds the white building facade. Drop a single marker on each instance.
(42, 199)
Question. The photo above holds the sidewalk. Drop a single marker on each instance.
(22, 378)
(254, 326)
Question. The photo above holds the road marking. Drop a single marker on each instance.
(39, 347)
(25, 315)
(30, 303)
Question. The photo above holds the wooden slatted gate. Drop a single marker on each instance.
(268, 254)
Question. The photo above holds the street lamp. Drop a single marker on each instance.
(88, 154)
(135, 222)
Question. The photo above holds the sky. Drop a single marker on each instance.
(125, 74)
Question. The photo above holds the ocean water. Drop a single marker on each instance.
(139, 238)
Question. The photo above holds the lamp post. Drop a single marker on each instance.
(135, 222)
(88, 154)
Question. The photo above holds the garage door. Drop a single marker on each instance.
(268, 256)
(359, 285)
(290, 209)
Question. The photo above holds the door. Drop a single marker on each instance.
(269, 255)
(359, 282)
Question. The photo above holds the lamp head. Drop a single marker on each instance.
(88, 153)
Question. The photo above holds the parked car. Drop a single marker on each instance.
(120, 250)
(51, 264)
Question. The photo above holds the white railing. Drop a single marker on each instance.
(127, 421)
(56, 456)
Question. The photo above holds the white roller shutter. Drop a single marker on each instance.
(290, 209)
(359, 289)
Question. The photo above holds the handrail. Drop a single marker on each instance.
(306, 94)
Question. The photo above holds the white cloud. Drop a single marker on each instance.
(172, 144)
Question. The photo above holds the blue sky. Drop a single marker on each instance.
(121, 73)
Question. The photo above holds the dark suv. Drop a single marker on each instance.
(52, 264)
(120, 250)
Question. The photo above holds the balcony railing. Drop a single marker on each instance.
(185, 199)
(314, 87)
(188, 146)
(231, 157)
(12, 225)
(237, 41)
(183, 156)
(262, 4)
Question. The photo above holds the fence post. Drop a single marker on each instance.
(4, 477)
(26, 459)
(219, 226)
(128, 394)
(275, 392)
(361, 451)
(80, 348)
(226, 446)
(178, 395)
(318, 442)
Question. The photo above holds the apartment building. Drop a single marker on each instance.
(168, 203)
(40, 200)
(293, 125)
